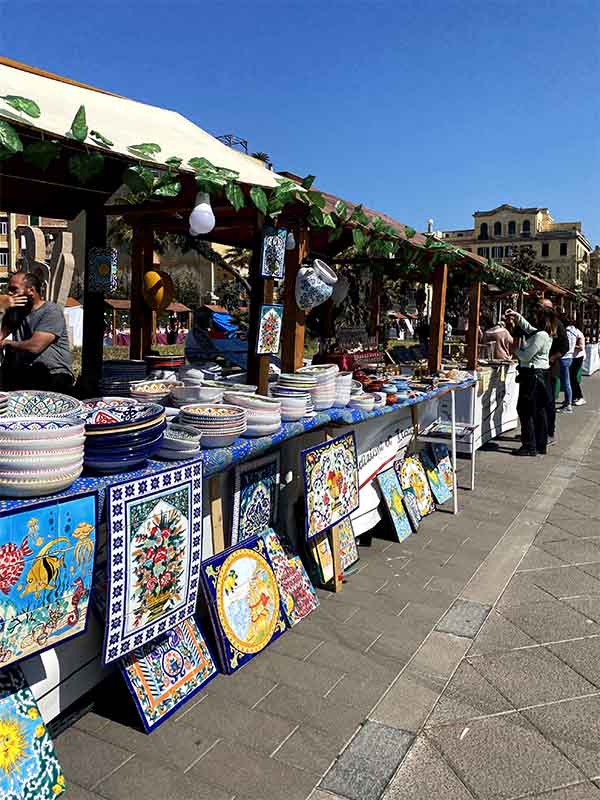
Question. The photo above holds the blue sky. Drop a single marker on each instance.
(429, 109)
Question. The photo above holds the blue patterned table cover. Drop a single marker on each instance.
(220, 458)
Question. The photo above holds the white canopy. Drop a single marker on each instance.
(125, 122)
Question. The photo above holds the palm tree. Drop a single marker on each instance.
(262, 157)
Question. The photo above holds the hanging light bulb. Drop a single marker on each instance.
(290, 243)
(202, 219)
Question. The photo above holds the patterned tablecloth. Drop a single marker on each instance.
(219, 459)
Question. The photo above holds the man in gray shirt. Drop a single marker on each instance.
(38, 355)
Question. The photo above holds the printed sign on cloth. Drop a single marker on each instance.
(348, 548)
(102, 270)
(320, 550)
(437, 484)
(46, 568)
(165, 673)
(244, 601)
(269, 330)
(412, 476)
(255, 497)
(298, 596)
(154, 527)
(330, 483)
(29, 769)
(442, 458)
(391, 492)
(272, 259)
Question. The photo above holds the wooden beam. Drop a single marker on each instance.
(140, 322)
(438, 311)
(93, 309)
(292, 351)
(473, 332)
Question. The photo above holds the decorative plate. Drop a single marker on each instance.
(120, 415)
(256, 494)
(298, 596)
(437, 484)
(411, 504)
(39, 427)
(442, 458)
(412, 475)
(42, 404)
(391, 492)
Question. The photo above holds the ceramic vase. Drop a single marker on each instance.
(311, 290)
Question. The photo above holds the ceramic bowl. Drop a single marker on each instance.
(92, 452)
(150, 388)
(207, 413)
(222, 440)
(39, 428)
(37, 488)
(16, 462)
(184, 433)
(253, 401)
(186, 395)
(42, 404)
(50, 473)
(324, 272)
(175, 455)
(255, 432)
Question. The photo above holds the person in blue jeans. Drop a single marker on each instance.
(565, 372)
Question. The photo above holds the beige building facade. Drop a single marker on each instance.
(560, 247)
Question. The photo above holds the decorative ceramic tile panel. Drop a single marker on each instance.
(330, 483)
(167, 672)
(412, 475)
(46, 569)
(348, 548)
(411, 504)
(320, 550)
(391, 492)
(102, 270)
(272, 259)
(255, 497)
(437, 484)
(29, 769)
(442, 458)
(244, 600)
(269, 330)
(298, 596)
(154, 528)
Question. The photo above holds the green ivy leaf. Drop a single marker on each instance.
(341, 209)
(209, 181)
(201, 163)
(41, 154)
(328, 221)
(335, 235)
(145, 150)
(138, 179)
(100, 139)
(85, 166)
(174, 161)
(358, 215)
(409, 232)
(316, 199)
(259, 198)
(378, 225)
(29, 107)
(235, 195)
(4, 153)
(9, 138)
(308, 181)
(169, 188)
(315, 217)
(79, 128)
(360, 239)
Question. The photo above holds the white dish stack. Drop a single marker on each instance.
(293, 406)
(363, 402)
(324, 393)
(343, 389)
(219, 425)
(263, 413)
(196, 393)
(179, 442)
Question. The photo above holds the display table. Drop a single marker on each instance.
(591, 362)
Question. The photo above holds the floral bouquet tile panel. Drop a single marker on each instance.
(298, 596)
(46, 574)
(330, 483)
(29, 768)
(347, 540)
(272, 258)
(437, 484)
(411, 504)
(441, 456)
(320, 549)
(167, 672)
(412, 476)
(244, 599)
(255, 497)
(154, 527)
(269, 330)
(391, 492)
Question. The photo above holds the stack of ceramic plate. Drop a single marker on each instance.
(363, 402)
(39, 455)
(295, 383)
(121, 434)
(196, 393)
(263, 414)
(192, 376)
(41, 404)
(293, 406)
(324, 393)
(118, 374)
(179, 442)
(343, 389)
(219, 425)
(153, 391)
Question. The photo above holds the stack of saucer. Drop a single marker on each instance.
(343, 389)
(118, 374)
(324, 393)
(263, 413)
(295, 383)
(219, 425)
(293, 406)
(153, 391)
(363, 402)
(179, 442)
(122, 434)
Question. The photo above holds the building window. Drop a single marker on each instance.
(563, 248)
(3, 259)
(526, 230)
(3, 228)
(512, 228)
(545, 250)
(497, 252)
(497, 229)
(483, 251)
(459, 235)
(508, 251)
(483, 231)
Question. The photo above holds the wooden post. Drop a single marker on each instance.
(473, 332)
(438, 310)
(93, 308)
(140, 323)
(114, 325)
(292, 352)
(375, 303)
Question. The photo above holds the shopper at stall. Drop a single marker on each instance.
(533, 353)
(565, 371)
(499, 336)
(37, 356)
(576, 362)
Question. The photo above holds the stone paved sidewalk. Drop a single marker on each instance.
(332, 708)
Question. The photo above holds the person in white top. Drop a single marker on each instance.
(565, 372)
(576, 363)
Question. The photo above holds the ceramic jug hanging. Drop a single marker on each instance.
(324, 271)
(311, 290)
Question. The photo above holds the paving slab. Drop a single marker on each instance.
(582, 655)
(468, 695)
(566, 581)
(550, 621)
(498, 635)
(87, 758)
(424, 775)
(580, 791)
(409, 701)
(464, 618)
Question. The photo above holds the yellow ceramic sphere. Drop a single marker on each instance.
(159, 290)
